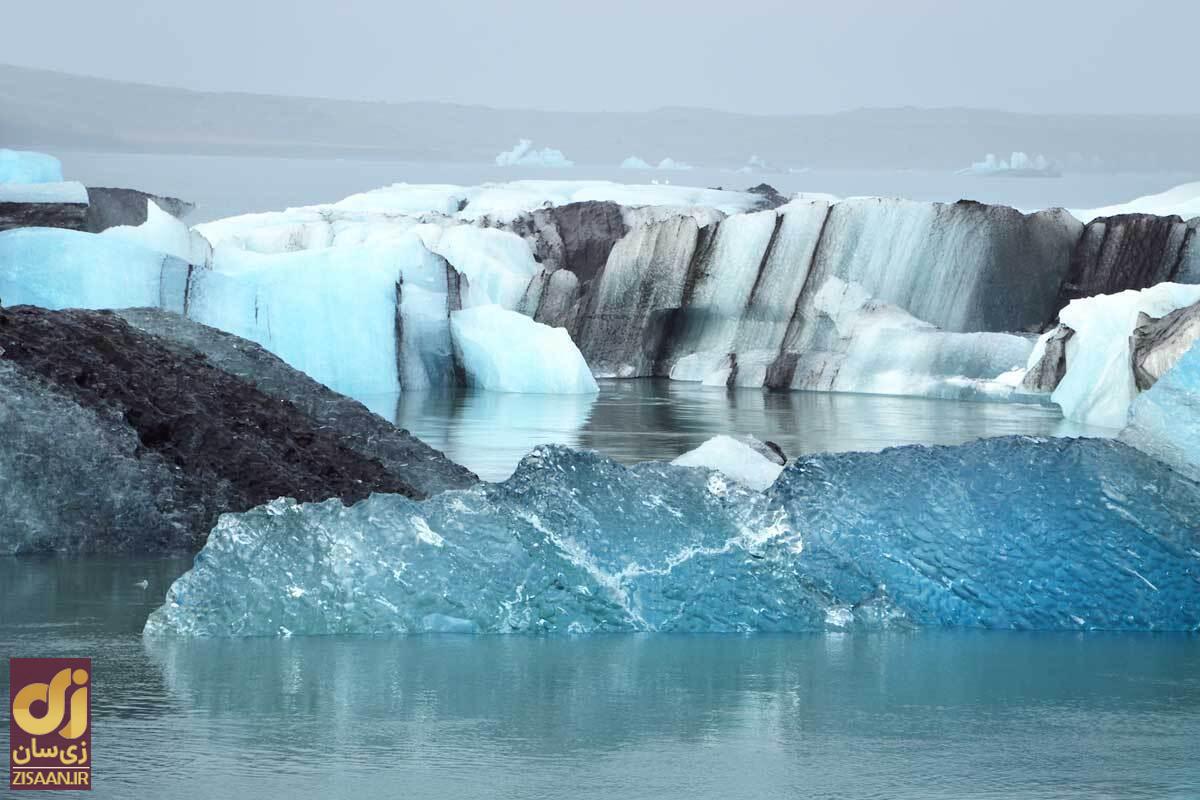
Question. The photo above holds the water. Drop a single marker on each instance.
(936, 714)
(657, 420)
(222, 186)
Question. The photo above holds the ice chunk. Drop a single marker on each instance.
(1165, 420)
(166, 234)
(523, 155)
(63, 192)
(26, 166)
(504, 351)
(58, 268)
(498, 265)
(985, 535)
(735, 459)
(1099, 385)
(633, 162)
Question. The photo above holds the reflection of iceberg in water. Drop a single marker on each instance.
(489, 432)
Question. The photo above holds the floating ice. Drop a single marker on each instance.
(523, 155)
(26, 166)
(735, 459)
(633, 162)
(669, 163)
(1164, 421)
(1098, 386)
(1015, 532)
(1018, 164)
(504, 351)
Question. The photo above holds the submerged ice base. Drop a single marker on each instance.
(1015, 532)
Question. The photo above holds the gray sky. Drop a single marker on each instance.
(748, 55)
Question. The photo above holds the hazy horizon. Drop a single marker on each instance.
(770, 58)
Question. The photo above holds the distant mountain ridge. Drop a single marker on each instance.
(48, 110)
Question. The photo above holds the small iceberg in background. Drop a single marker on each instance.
(1018, 165)
(523, 155)
(669, 163)
(633, 162)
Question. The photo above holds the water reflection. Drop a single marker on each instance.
(642, 420)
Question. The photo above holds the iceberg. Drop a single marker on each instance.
(1099, 384)
(503, 351)
(523, 155)
(669, 163)
(1009, 533)
(633, 162)
(1182, 201)
(744, 460)
(27, 166)
(1164, 421)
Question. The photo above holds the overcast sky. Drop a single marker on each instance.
(745, 55)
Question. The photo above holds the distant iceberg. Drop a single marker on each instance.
(523, 155)
(1018, 165)
(671, 164)
(633, 162)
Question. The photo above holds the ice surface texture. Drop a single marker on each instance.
(1003, 533)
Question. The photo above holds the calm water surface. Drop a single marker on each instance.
(645, 420)
(921, 715)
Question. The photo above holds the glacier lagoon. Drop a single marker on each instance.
(654, 419)
(938, 714)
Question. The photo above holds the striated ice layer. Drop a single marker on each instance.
(58, 268)
(27, 166)
(1164, 421)
(1014, 532)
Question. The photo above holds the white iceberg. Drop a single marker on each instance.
(1099, 386)
(503, 351)
(633, 162)
(738, 459)
(669, 163)
(1182, 200)
(523, 155)
(27, 166)
(61, 192)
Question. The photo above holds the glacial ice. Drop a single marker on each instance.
(734, 458)
(1015, 532)
(1164, 421)
(1098, 386)
(523, 155)
(503, 351)
(62, 192)
(1018, 162)
(58, 268)
(27, 166)
(633, 162)
(166, 234)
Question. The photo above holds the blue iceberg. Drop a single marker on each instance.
(1014, 533)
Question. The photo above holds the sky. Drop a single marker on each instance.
(750, 56)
